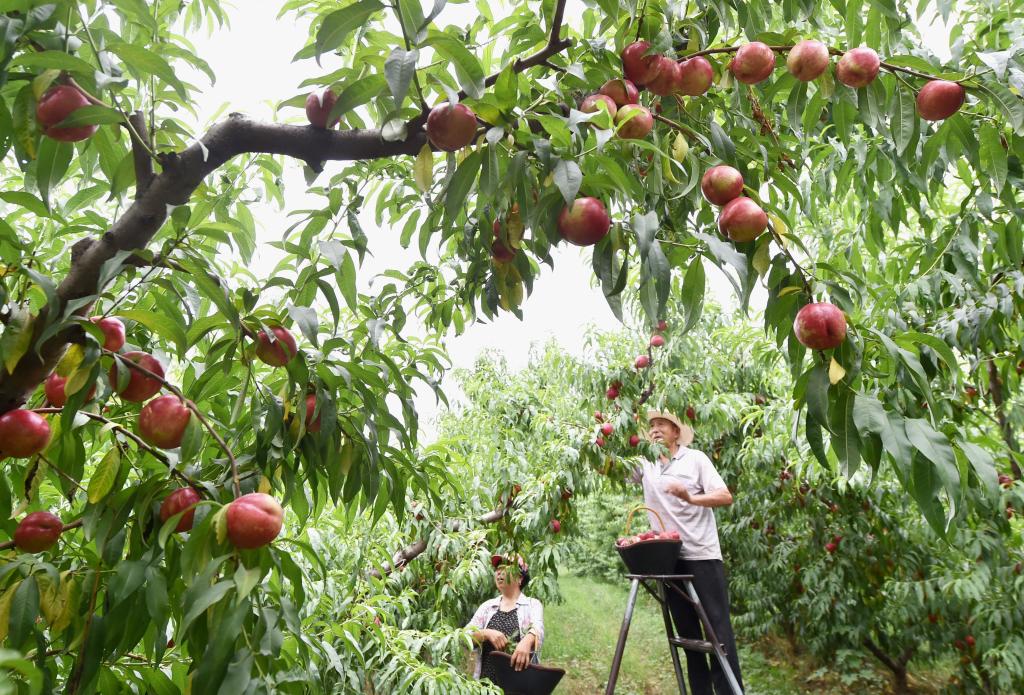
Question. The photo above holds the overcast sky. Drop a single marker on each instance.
(252, 61)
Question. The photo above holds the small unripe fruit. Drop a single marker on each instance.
(254, 520)
(277, 349)
(37, 532)
(451, 128)
(940, 99)
(820, 326)
(742, 220)
(318, 108)
(501, 253)
(634, 121)
(621, 92)
(179, 501)
(57, 104)
(657, 341)
(695, 77)
(640, 69)
(113, 332)
(721, 184)
(54, 388)
(585, 223)
(753, 63)
(140, 387)
(642, 362)
(23, 433)
(858, 67)
(807, 60)
(669, 79)
(163, 421)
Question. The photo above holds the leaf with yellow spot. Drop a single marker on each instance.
(264, 486)
(835, 372)
(103, 477)
(680, 147)
(70, 361)
(347, 455)
(423, 169)
(5, 609)
(220, 524)
(78, 381)
(789, 290)
(762, 260)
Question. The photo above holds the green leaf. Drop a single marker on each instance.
(467, 66)
(984, 467)
(358, 93)
(461, 184)
(399, 69)
(339, 24)
(1007, 102)
(55, 60)
(722, 144)
(870, 416)
(903, 120)
(92, 115)
(993, 156)
(103, 477)
(936, 448)
(845, 441)
(192, 440)
(144, 62)
(24, 610)
(693, 292)
(16, 338)
(817, 394)
(203, 600)
(568, 178)
(165, 326)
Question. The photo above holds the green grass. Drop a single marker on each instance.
(583, 629)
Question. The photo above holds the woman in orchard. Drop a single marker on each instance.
(511, 618)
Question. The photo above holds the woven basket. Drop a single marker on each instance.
(655, 556)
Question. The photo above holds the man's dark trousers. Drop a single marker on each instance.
(709, 581)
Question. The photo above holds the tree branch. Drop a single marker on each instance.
(141, 150)
(417, 548)
(995, 389)
(184, 171)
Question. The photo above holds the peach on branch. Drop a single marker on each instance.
(752, 63)
(451, 128)
(23, 433)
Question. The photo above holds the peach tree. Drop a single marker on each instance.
(162, 404)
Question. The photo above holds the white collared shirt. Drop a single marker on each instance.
(530, 613)
(696, 525)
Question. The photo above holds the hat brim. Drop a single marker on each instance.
(685, 431)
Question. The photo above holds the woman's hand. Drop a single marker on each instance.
(521, 656)
(496, 638)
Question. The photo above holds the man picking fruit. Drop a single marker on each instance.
(684, 488)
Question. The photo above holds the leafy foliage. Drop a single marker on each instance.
(913, 229)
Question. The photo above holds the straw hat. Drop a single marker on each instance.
(685, 431)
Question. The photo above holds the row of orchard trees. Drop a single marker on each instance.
(114, 203)
(838, 564)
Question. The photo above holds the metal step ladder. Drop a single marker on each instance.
(662, 583)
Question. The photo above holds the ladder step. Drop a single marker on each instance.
(693, 645)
